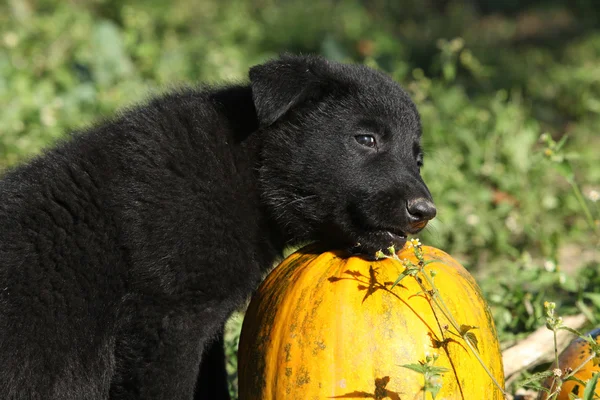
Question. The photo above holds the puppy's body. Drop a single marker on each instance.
(124, 250)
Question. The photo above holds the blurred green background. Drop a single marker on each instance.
(489, 79)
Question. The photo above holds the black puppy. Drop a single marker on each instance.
(124, 250)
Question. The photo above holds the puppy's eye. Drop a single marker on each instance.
(366, 140)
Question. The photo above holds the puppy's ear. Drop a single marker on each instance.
(279, 85)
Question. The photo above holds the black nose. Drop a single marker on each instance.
(421, 210)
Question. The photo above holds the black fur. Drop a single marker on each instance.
(124, 250)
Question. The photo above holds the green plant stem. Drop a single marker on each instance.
(555, 349)
(555, 393)
(556, 390)
(586, 210)
(441, 305)
(576, 370)
(476, 354)
(439, 302)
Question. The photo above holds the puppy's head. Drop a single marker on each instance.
(341, 153)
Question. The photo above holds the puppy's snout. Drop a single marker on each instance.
(420, 212)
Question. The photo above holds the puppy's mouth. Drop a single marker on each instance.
(397, 238)
(369, 242)
(418, 226)
(389, 237)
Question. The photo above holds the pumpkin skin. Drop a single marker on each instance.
(324, 325)
(575, 353)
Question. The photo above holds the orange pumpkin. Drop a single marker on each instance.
(325, 325)
(575, 353)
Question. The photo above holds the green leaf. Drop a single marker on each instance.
(432, 261)
(594, 298)
(435, 370)
(566, 328)
(587, 311)
(473, 339)
(416, 367)
(590, 388)
(561, 143)
(591, 341)
(434, 390)
(449, 71)
(575, 379)
(403, 275)
(465, 332)
(466, 328)
(537, 378)
(564, 168)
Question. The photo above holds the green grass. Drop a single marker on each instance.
(487, 86)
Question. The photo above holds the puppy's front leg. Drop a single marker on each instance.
(212, 379)
(158, 357)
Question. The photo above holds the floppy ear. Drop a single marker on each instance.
(279, 85)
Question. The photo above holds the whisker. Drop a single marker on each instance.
(298, 200)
